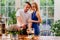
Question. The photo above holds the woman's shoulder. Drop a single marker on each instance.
(37, 13)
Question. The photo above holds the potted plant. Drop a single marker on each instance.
(55, 28)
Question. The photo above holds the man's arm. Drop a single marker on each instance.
(29, 23)
(19, 17)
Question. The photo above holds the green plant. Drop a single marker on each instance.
(55, 28)
(43, 2)
(12, 18)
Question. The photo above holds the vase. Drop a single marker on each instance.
(14, 36)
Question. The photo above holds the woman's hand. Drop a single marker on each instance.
(30, 21)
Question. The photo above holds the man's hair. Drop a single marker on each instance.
(28, 3)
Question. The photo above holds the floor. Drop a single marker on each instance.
(40, 38)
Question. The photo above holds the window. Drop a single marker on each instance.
(47, 11)
(22, 2)
(7, 8)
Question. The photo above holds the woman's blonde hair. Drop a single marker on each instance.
(36, 5)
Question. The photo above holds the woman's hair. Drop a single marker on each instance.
(36, 5)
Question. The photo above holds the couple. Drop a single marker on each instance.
(26, 19)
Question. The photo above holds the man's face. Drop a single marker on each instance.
(27, 7)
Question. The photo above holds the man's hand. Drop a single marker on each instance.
(23, 26)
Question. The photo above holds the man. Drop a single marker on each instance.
(23, 16)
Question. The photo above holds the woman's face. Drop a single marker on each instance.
(33, 7)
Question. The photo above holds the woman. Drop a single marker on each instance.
(35, 19)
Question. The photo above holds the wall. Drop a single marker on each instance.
(57, 10)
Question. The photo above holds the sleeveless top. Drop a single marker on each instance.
(35, 25)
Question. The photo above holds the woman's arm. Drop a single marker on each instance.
(39, 18)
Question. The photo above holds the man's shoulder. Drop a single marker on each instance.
(20, 10)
